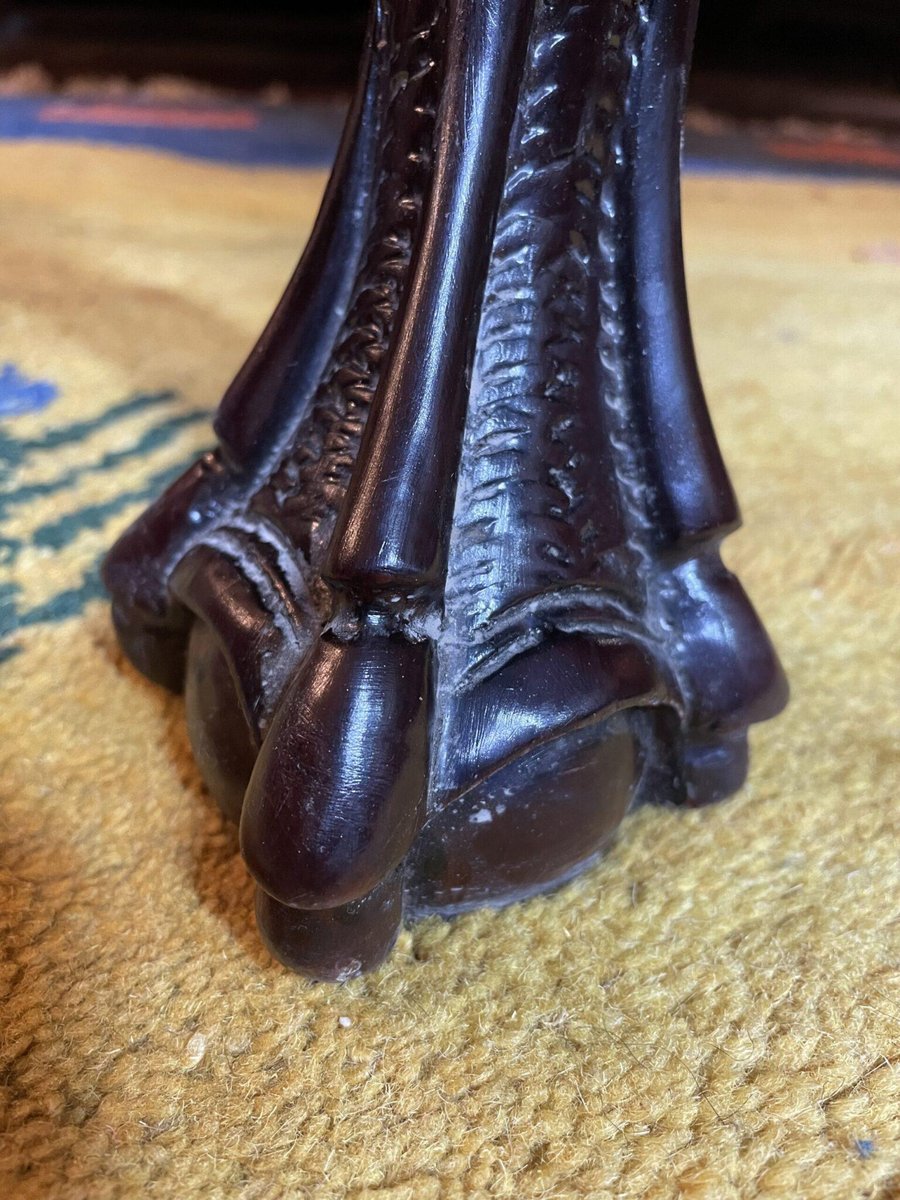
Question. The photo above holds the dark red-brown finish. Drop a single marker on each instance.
(448, 599)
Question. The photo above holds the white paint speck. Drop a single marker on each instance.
(349, 970)
(195, 1049)
(482, 817)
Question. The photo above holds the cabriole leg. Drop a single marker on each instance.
(447, 599)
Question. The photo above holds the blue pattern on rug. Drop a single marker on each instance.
(19, 394)
(168, 417)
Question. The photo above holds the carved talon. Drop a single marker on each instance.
(334, 943)
(338, 792)
(447, 600)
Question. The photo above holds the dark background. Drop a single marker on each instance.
(822, 59)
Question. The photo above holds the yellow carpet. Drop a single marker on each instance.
(711, 1013)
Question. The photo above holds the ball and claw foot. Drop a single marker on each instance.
(447, 601)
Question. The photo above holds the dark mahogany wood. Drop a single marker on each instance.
(447, 599)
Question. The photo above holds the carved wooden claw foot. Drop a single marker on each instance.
(447, 599)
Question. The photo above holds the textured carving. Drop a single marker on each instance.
(305, 493)
(447, 601)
